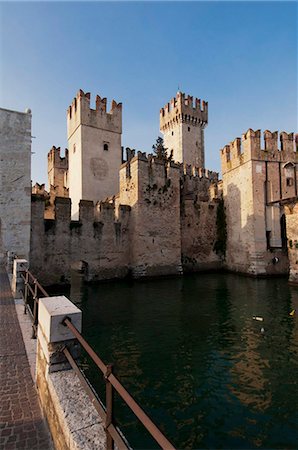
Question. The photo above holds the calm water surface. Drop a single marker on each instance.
(191, 354)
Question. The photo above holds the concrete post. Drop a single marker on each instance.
(57, 395)
(73, 420)
(53, 336)
(17, 283)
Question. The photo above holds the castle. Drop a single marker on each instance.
(116, 215)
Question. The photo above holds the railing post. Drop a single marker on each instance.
(19, 266)
(35, 314)
(26, 292)
(109, 406)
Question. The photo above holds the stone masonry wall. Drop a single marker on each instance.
(292, 227)
(97, 242)
(254, 182)
(199, 201)
(15, 182)
(152, 189)
(164, 212)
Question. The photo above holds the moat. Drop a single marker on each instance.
(193, 356)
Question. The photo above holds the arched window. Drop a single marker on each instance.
(289, 169)
(106, 146)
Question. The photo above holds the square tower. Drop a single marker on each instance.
(182, 123)
(94, 143)
(257, 180)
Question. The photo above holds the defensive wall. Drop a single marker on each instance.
(291, 210)
(255, 180)
(162, 222)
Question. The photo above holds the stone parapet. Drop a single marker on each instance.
(249, 147)
(73, 420)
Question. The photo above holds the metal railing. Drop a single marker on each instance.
(112, 384)
(31, 294)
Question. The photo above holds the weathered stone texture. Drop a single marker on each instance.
(143, 231)
(95, 154)
(292, 235)
(151, 188)
(15, 182)
(254, 182)
(198, 222)
(73, 420)
(98, 240)
(182, 121)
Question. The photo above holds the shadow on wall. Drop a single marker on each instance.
(250, 244)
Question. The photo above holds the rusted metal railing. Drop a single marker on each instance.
(112, 384)
(31, 294)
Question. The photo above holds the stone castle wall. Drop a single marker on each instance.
(15, 182)
(198, 211)
(255, 180)
(98, 242)
(292, 227)
(163, 222)
(152, 191)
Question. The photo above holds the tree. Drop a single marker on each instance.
(160, 150)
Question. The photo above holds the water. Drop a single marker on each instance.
(190, 353)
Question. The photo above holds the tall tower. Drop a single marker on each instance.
(182, 123)
(94, 143)
(57, 170)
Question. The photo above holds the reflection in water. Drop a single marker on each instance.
(191, 354)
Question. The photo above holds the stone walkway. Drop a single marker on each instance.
(22, 425)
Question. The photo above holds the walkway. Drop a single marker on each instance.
(22, 425)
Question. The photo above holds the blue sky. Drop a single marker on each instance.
(239, 56)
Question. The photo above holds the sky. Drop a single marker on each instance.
(241, 57)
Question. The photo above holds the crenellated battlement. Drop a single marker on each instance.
(165, 167)
(183, 109)
(275, 147)
(39, 189)
(89, 213)
(81, 113)
(198, 172)
(56, 160)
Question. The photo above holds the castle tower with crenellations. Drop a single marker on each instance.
(258, 177)
(94, 142)
(182, 122)
(58, 171)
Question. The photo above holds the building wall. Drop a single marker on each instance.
(15, 182)
(254, 183)
(198, 212)
(151, 188)
(182, 121)
(93, 170)
(143, 232)
(291, 211)
(98, 242)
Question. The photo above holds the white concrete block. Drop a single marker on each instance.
(19, 265)
(51, 312)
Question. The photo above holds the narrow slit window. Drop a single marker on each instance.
(290, 181)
